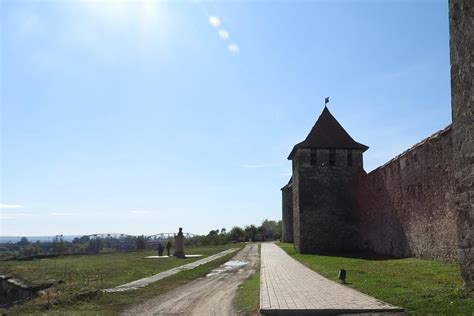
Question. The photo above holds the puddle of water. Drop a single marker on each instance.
(235, 263)
(226, 267)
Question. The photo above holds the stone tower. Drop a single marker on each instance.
(461, 29)
(324, 167)
(287, 212)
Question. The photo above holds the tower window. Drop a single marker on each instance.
(332, 157)
(313, 157)
(349, 157)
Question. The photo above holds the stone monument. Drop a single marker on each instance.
(179, 244)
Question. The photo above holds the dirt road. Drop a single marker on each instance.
(211, 295)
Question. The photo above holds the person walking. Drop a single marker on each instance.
(168, 247)
(160, 249)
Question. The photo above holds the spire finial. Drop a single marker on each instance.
(326, 101)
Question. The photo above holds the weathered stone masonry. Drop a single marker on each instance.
(403, 208)
(418, 204)
(461, 29)
(324, 167)
(406, 207)
(287, 216)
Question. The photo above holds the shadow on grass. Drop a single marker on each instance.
(365, 255)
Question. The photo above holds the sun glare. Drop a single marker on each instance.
(145, 14)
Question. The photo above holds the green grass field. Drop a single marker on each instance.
(247, 299)
(114, 303)
(422, 287)
(113, 268)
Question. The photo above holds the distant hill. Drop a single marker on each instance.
(15, 239)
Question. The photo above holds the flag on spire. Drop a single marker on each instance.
(326, 100)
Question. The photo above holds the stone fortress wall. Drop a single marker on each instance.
(406, 207)
(421, 202)
(461, 31)
(418, 204)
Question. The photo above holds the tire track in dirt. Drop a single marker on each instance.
(211, 295)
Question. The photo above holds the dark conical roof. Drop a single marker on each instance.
(327, 133)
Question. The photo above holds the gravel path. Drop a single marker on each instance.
(211, 295)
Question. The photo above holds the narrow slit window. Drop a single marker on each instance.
(349, 157)
(332, 157)
(313, 157)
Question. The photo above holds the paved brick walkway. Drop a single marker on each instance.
(146, 281)
(288, 286)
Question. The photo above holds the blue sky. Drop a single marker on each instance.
(142, 116)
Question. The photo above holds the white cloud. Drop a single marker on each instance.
(140, 212)
(61, 214)
(214, 21)
(3, 206)
(233, 48)
(224, 34)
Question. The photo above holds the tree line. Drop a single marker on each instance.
(268, 230)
